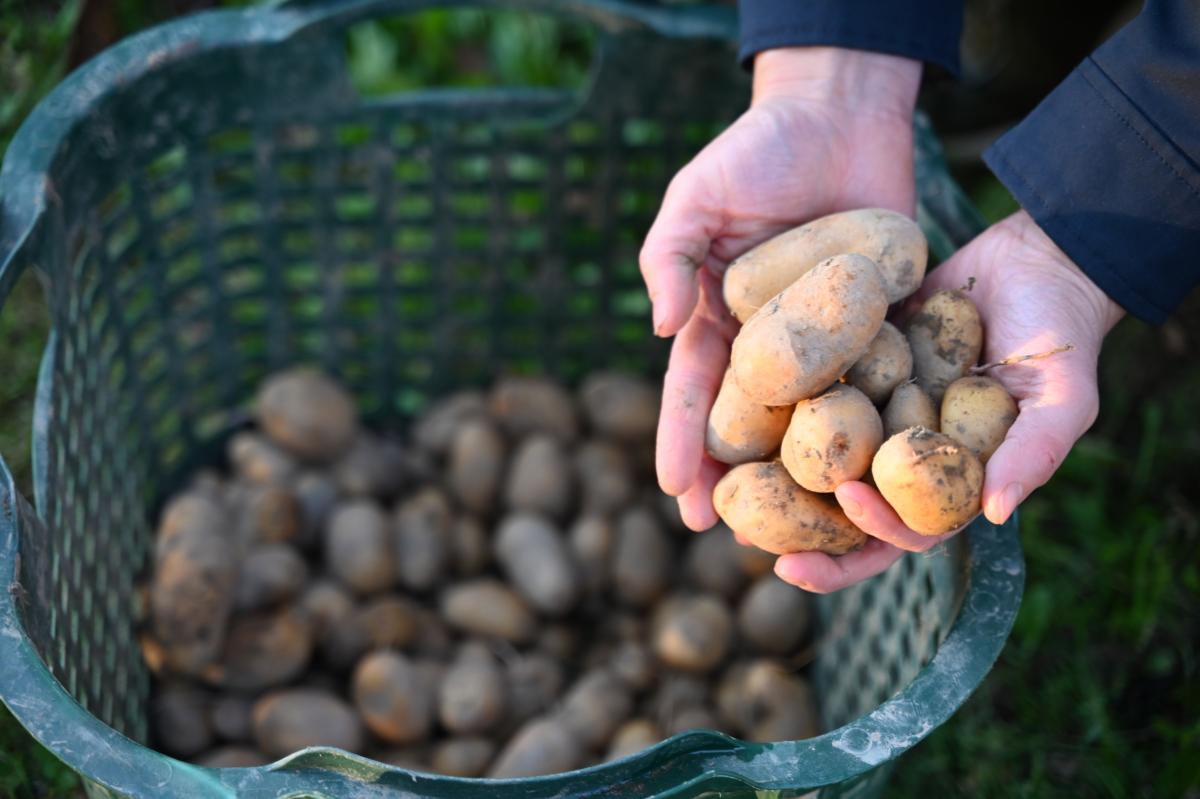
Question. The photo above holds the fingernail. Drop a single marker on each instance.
(852, 508)
(657, 316)
(1001, 507)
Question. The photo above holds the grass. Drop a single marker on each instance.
(1098, 690)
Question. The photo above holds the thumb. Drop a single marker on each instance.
(675, 248)
(1047, 426)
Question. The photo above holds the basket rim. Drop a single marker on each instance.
(683, 763)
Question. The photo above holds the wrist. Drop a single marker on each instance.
(852, 79)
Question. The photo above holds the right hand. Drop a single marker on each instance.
(827, 130)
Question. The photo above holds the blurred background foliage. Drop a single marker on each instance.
(1098, 691)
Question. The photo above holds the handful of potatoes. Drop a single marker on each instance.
(821, 389)
(499, 594)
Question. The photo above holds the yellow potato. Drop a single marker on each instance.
(946, 337)
(909, 407)
(892, 240)
(807, 336)
(933, 482)
(831, 438)
(762, 503)
(741, 430)
(977, 412)
(887, 363)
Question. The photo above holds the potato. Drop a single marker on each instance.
(693, 633)
(632, 662)
(192, 589)
(741, 430)
(412, 758)
(270, 574)
(230, 716)
(892, 240)
(327, 604)
(542, 746)
(805, 338)
(909, 407)
(932, 482)
(790, 712)
(257, 460)
(534, 557)
(421, 539)
(263, 649)
(773, 616)
(358, 547)
(233, 757)
(591, 540)
(525, 405)
(463, 757)
(534, 682)
(762, 503)
(389, 621)
(977, 412)
(762, 699)
(488, 607)
(264, 514)
(831, 438)
(560, 641)
(605, 477)
(539, 478)
(643, 558)
(393, 697)
(473, 694)
(372, 467)
(476, 465)
(595, 706)
(633, 736)
(620, 405)
(180, 717)
(470, 547)
(434, 431)
(692, 718)
(946, 337)
(294, 718)
(317, 496)
(753, 562)
(307, 413)
(677, 695)
(711, 562)
(887, 363)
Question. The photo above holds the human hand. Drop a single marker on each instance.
(1032, 298)
(828, 130)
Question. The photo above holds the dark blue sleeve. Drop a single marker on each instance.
(1109, 163)
(927, 30)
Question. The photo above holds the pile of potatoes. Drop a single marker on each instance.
(822, 389)
(501, 593)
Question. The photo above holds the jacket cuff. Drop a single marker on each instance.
(1116, 195)
(925, 30)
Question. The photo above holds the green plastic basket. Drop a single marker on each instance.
(211, 200)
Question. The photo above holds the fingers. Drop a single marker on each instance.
(1048, 425)
(822, 574)
(675, 249)
(871, 513)
(695, 504)
(699, 356)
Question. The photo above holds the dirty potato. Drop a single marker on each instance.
(946, 337)
(764, 504)
(805, 338)
(831, 438)
(933, 482)
(741, 430)
(977, 412)
(887, 363)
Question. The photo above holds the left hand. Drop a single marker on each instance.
(1031, 298)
